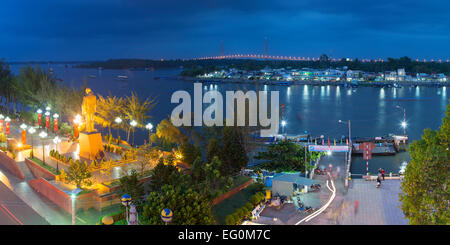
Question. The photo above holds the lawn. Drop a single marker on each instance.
(46, 166)
(228, 206)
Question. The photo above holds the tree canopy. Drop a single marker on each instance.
(425, 195)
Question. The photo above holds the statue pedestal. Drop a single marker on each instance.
(90, 144)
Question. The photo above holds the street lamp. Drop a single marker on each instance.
(403, 124)
(57, 140)
(149, 126)
(126, 200)
(118, 120)
(43, 135)
(166, 215)
(31, 131)
(133, 124)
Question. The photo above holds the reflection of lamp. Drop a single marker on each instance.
(76, 123)
(31, 131)
(43, 135)
(23, 126)
(55, 118)
(149, 126)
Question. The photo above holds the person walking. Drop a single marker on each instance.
(379, 180)
(356, 206)
(383, 172)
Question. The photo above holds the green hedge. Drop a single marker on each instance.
(244, 211)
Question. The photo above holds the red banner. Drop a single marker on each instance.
(1, 126)
(75, 131)
(47, 122)
(7, 128)
(24, 137)
(39, 119)
(56, 125)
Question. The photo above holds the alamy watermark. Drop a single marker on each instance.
(213, 114)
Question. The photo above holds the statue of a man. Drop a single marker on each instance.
(88, 109)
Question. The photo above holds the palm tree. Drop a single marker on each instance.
(135, 109)
(108, 108)
(166, 130)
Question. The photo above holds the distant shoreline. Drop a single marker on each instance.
(310, 82)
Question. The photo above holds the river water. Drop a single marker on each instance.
(315, 109)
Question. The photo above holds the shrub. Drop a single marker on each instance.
(229, 220)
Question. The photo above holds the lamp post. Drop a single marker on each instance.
(133, 124)
(404, 124)
(149, 126)
(55, 122)
(39, 112)
(166, 215)
(31, 131)
(23, 126)
(76, 123)
(57, 140)
(43, 135)
(7, 120)
(118, 120)
(126, 200)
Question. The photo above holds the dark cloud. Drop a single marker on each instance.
(101, 29)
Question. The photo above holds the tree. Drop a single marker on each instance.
(169, 132)
(78, 173)
(107, 168)
(189, 153)
(285, 156)
(188, 206)
(136, 109)
(212, 150)
(147, 157)
(165, 174)
(425, 195)
(129, 184)
(108, 108)
(213, 176)
(233, 153)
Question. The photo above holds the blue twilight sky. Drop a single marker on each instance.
(102, 29)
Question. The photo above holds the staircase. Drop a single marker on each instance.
(25, 171)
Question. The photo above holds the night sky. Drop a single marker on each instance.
(79, 30)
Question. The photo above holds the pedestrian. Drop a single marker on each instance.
(378, 180)
(383, 172)
(356, 206)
